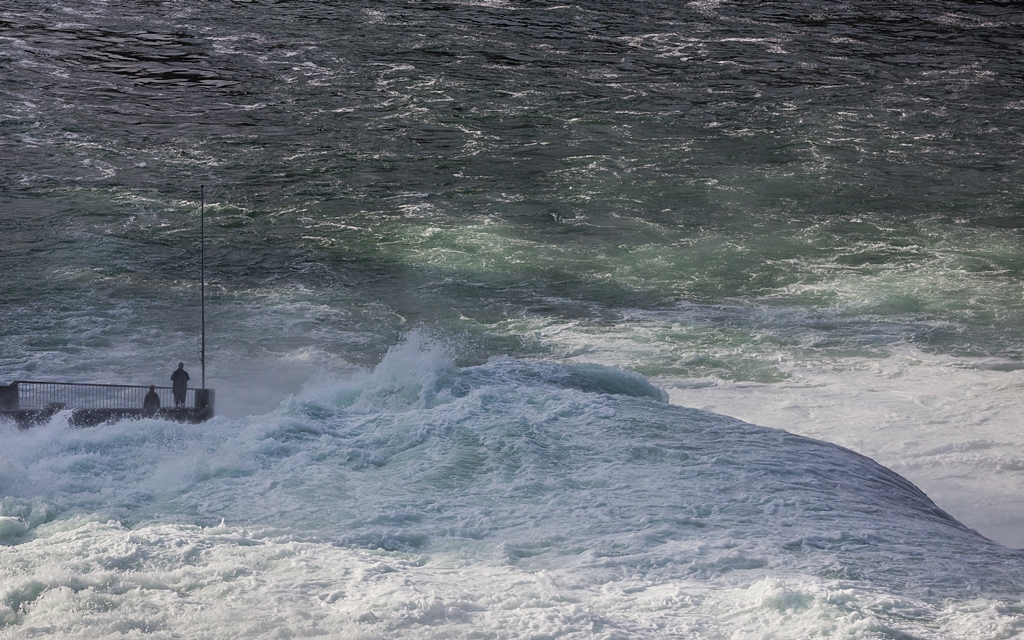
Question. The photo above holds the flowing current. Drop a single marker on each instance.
(526, 319)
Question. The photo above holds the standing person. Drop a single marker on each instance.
(151, 403)
(179, 384)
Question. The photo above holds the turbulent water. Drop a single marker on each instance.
(498, 293)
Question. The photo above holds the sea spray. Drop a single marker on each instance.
(806, 217)
(423, 497)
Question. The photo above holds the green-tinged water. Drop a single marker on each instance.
(724, 298)
(429, 227)
(798, 181)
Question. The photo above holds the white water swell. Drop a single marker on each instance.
(511, 499)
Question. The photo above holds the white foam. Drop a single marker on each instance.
(88, 579)
(950, 425)
(510, 499)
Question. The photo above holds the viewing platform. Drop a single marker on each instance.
(31, 403)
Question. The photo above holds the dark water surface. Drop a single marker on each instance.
(806, 215)
(537, 160)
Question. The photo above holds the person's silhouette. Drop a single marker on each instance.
(179, 384)
(151, 403)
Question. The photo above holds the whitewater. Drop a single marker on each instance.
(526, 319)
(509, 499)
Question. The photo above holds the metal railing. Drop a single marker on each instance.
(73, 395)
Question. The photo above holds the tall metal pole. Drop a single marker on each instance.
(202, 276)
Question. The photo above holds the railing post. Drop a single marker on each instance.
(27, 395)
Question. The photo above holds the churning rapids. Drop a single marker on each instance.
(485, 280)
(510, 499)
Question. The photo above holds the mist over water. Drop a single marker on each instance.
(459, 254)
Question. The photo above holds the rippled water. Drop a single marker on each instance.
(806, 216)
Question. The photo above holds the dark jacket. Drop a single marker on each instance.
(151, 403)
(179, 379)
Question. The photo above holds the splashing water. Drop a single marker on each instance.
(424, 499)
